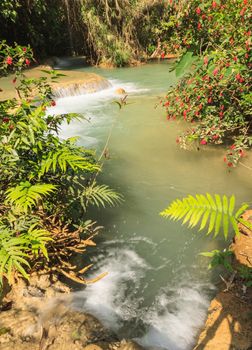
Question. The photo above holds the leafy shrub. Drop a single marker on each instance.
(41, 176)
(216, 95)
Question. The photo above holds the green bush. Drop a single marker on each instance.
(215, 95)
(42, 176)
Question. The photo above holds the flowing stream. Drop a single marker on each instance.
(158, 287)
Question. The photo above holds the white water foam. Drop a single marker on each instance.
(107, 299)
(93, 101)
(174, 320)
(170, 322)
(91, 106)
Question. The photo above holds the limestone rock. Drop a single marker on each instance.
(120, 91)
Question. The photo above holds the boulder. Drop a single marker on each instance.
(120, 91)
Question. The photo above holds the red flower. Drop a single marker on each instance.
(215, 72)
(238, 77)
(235, 58)
(53, 103)
(245, 2)
(222, 107)
(6, 120)
(198, 11)
(243, 11)
(203, 17)
(163, 55)
(184, 114)
(221, 114)
(9, 60)
(11, 127)
(210, 100)
(242, 153)
(27, 62)
(203, 142)
(232, 147)
(14, 80)
(24, 49)
(215, 137)
(214, 4)
(199, 25)
(225, 159)
(167, 103)
(230, 164)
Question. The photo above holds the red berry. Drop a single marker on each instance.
(9, 60)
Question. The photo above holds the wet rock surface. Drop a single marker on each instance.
(40, 317)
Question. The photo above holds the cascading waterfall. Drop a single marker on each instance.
(81, 88)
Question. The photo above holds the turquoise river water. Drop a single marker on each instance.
(158, 287)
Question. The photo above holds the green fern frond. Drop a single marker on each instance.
(25, 195)
(13, 256)
(209, 211)
(100, 195)
(64, 159)
(38, 238)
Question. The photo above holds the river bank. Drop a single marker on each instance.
(229, 321)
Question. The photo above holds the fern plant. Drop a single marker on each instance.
(65, 158)
(13, 255)
(26, 195)
(216, 212)
(100, 195)
(17, 249)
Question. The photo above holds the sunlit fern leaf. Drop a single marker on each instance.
(216, 212)
(13, 255)
(65, 159)
(101, 195)
(38, 238)
(26, 195)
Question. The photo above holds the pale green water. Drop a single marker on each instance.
(158, 287)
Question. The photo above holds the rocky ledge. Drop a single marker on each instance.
(39, 315)
(229, 321)
(72, 83)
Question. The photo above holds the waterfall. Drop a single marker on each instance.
(80, 88)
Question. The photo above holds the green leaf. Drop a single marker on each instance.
(185, 63)
(202, 209)
(26, 195)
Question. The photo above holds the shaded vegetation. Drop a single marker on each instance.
(47, 183)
